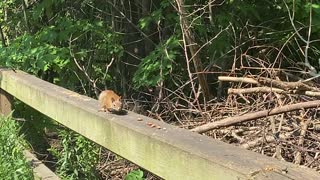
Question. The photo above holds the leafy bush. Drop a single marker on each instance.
(13, 164)
(77, 158)
(158, 64)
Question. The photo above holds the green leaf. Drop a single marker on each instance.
(135, 175)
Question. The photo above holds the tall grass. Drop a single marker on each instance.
(13, 164)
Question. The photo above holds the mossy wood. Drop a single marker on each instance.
(169, 152)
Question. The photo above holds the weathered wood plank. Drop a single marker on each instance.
(5, 102)
(39, 169)
(170, 152)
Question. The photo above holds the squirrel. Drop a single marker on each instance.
(110, 101)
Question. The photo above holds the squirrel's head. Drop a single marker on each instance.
(116, 104)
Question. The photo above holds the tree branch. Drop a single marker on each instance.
(255, 115)
(270, 89)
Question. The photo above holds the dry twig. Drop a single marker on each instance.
(271, 89)
(255, 115)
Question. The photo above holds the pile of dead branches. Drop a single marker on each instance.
(272, 117)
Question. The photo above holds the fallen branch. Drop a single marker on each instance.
(255, 115)
(268, 139)
(269, 89)
(255, 90)
(286, 85)
(271, 83)
(238, 79)
(304, 127)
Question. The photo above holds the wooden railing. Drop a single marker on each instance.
(169, 152)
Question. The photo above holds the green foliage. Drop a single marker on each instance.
(158, 64)
(4, 4)
(45, 6)
(41, 51)
(32, 54)
(135, 175)
(78, 157)
(301, 12)
(157, 15)
(48, 51)
(35, 126)
(13, 164)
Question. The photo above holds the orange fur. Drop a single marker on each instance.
(110, 101)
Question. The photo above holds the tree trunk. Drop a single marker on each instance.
(3, 39)
(194, 49)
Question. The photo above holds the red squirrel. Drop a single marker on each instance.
(110, 101)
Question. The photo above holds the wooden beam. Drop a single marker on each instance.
(169, 152)
(40, 171)
(5, 102)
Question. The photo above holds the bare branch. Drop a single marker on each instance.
(270, 89)
(238, 79)
(255, 115)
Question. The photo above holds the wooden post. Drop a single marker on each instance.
(5, 102)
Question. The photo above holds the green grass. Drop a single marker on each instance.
(13, 164)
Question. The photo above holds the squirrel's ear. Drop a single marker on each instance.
(120, 97)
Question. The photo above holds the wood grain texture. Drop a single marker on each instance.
(5, 102)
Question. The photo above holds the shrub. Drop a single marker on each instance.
(13, 164)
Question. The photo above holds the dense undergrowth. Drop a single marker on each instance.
(13, 164)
